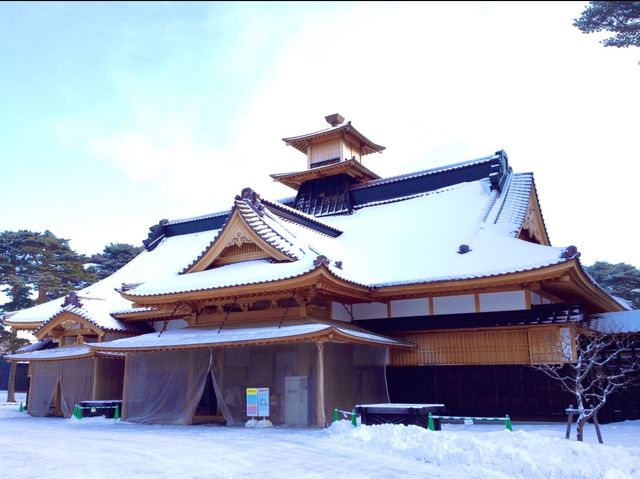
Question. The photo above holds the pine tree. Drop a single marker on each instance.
(40, 265)
(113, 257)
(620, 279)
(620, 18)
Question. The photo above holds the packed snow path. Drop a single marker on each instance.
(101, 448)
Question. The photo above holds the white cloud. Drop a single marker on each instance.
(434, 82)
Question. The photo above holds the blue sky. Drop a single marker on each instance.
(118, 114)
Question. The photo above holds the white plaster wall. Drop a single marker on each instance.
(409, 307)
(339, 312)
(173, 324)
(503, 301)
(464, 303)
(536, 298)
(369, 310)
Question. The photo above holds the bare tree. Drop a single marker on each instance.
(602, 364)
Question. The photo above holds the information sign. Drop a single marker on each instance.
(263, 402)
(252, 402)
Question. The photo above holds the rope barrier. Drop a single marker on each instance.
(506, 419)
(77, 410)
(345, 415)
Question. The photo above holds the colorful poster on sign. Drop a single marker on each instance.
(263, 402)
(252, 402)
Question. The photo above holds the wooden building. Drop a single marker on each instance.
(435, 286)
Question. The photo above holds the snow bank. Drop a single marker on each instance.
(47, 448)
(498, 454)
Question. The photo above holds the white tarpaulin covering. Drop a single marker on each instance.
(166, 386)
(166, 373)
(56, 386)
(44, 381)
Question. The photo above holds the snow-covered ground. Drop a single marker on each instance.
(101, 448)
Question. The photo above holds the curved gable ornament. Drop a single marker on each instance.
(239, 238)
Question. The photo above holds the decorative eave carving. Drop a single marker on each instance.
(67, 321)
(72, 299)
(238, 238)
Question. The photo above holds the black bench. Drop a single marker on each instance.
(396, 413)
(100, 408)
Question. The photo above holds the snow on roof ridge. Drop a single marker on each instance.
(306, 216)
(410, 197)
(514, 201)
(197, 218)
(431, 171)
(254, 218)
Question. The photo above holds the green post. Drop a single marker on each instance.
(21, 408)
(354, 421)
(77, 413)
(430, 425)
(116, 415)
(336, 415)
(507, 424)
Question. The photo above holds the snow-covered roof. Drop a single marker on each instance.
(235, 334)
(101, 299)
(616, 322)
(402, 239)
(55, 354)
(403, 242)
(417, 240)
(300, 142)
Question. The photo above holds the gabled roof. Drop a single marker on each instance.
(411, 241)
(250, 222)
(521, 208)
(302, 141)
(106, 324)
(406, 230)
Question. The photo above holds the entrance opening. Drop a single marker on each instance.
(207, 411)
(55, 408)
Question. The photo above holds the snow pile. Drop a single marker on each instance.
(48, 448)
(498, 454)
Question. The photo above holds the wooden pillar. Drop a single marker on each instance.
(94, 391)
(124, 412)
(29, 375)
(321, 418)
(12, 382)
